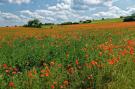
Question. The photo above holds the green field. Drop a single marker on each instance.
(67, 59)
(108, 20)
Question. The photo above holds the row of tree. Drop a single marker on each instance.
(37, 24)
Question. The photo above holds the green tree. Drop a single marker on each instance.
(34, 23)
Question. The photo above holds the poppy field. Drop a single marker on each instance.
(83, 56)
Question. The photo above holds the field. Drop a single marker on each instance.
(108, 20)
(83, 56)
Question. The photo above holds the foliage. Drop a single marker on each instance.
(129, 18)
(34, 23)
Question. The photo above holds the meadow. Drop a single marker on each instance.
(83, 56)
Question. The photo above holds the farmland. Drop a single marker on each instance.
(82, 56)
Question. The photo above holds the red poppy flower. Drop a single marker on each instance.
(77, 62)
(5, 66)
(11, 84)
(52, 87)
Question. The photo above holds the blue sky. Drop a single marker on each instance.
(18, 12)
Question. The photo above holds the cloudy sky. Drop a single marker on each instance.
(18, 12)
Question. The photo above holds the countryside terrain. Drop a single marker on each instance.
(100, 55)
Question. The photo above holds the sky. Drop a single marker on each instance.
(18, 12)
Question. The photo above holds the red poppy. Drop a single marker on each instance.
(131, 50)
(7, 71)
(93, 62)
(52, 87)
(131, 43)
(46, 74)
(14, 72)
(123, 52)
(111, 62)
(11, 84)
(5, 66)
(77, 62)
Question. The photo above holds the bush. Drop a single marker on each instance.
(34, 23)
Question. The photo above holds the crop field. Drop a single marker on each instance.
(83, 56)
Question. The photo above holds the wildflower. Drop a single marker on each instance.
(46, 74)
(61, 87)
(54, 83)
(111, 62)
(52, 87)
(124, 52)
(14, 72)
(77, 62)
(7, 71)
(131, 50)
(11, 84)
(30, 75)
(5, 66)
(131, 43)
(93, 62)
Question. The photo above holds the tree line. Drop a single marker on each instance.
(37, 24)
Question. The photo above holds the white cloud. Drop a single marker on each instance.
(19, 1)
(131, 9)
(9, 19)
(9, 16)
(92, 2)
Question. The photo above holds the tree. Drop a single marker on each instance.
(34, 23)
(129, 19)
(133, 14)
(103, 18)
